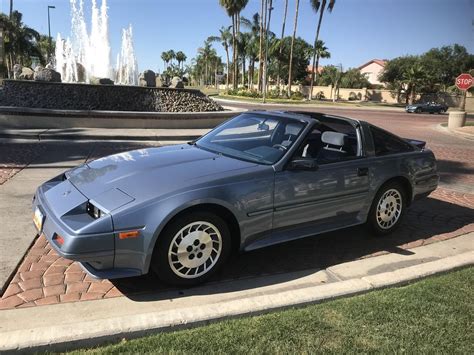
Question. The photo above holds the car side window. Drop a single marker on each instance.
(386, 143)
(330, 142)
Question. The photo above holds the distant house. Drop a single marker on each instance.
(310, 70)
(372, 69)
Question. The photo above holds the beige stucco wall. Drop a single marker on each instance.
(372, 72)
(374, 95)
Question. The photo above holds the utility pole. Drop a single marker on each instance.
(11, 8)
(49, 32)
(264, 84)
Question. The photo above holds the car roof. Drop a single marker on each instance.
(306, 116)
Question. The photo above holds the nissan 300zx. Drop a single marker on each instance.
(261, 178)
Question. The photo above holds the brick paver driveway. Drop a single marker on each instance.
(45, 278)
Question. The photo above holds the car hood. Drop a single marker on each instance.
(154, 172)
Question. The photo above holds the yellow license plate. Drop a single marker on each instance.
(38, 219)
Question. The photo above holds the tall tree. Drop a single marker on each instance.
(166, 58)
(281, 47)
(253, 46)
(318, 5)
(225, 37)
(260, 48)
(171, 55)
(180, 58)
(233, 9)
(295, 26)
(321, 52)
(21, 41)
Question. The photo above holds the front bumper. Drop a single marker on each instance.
(94, 249)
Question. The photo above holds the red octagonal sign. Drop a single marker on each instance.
(464, 81)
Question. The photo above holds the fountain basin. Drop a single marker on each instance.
(30, 118)
(69, 96)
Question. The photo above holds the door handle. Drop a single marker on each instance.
(362, 171)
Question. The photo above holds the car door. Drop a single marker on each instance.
(335, 193)
(333, 196)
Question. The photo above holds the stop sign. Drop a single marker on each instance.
(464, 81)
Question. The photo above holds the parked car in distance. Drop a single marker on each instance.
(431, 107)
(261, 178)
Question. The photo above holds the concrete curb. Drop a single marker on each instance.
(69, 334)
(468, 136)
(352, 107)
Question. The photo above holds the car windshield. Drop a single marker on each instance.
(253, 137)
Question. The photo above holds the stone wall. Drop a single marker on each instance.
(19, 93)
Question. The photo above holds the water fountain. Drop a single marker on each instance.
(81, 59)
(84, 55)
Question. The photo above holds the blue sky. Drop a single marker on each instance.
(356, 31)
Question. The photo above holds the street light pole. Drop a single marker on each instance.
(49, 32)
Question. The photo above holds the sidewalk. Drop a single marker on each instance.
(93, 322)
(17, 232)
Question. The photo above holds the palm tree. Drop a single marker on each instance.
(244, 42)
(233, 9)
(290, 74)
(224, 38)
(181, 58)
(21, 42)
(318, 5)
(321, 52)
(413, 78)
(280, 43)
(252, 48)
(166, 58)
(171, 55)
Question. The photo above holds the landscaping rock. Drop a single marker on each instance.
(47, 75)
(81, 73)
(177, 83)
(158, 81)
(16, 71)
(147, 78)
(26, 74)
(101, 81)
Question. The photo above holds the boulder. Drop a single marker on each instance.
(158, 82)
(38, 68)
(48, 75)
(26, 74)
(17, 71)
(147, 78)
(177, 83)
(101, 81)
(81, 73)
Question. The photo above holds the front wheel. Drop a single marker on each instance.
(388, 209)
(191, 249)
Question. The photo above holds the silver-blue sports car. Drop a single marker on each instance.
(261, 178)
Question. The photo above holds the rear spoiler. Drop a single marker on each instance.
(415, 142)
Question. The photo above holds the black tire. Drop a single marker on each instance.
(375, 220)
(163, 257)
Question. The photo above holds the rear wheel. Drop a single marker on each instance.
(191, 249)
(388, 208)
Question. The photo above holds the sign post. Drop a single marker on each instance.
(464, 82)
(457, 119)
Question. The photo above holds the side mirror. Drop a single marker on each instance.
(303, 164)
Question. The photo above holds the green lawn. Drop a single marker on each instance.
(435, 315)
